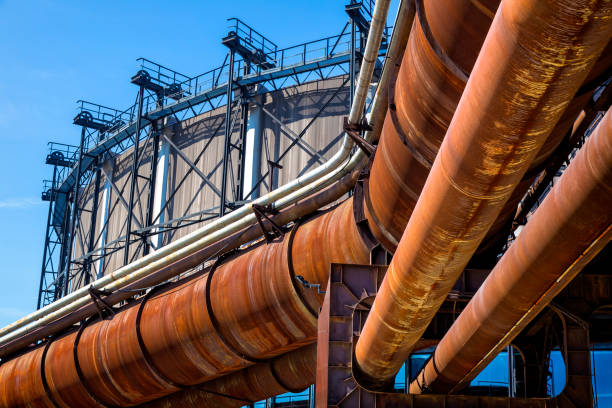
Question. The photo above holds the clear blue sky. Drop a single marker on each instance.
(56, 52)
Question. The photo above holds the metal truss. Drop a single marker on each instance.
(107, 133)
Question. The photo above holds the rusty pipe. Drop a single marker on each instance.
(517, 91)
(422, 100)
(248, 307)
(291, 372)
(555, 150)
(567, 230)
(579, 128)
(300, 209)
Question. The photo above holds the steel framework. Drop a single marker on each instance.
(166, 95)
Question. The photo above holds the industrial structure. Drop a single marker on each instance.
(316, 217)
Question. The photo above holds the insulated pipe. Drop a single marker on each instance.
(168, 269)
(535, 56)
(305, 207)
(291, 372)
(340, 164)
(567, 230)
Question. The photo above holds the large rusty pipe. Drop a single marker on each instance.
(291, 372)
(422, 100)
(247, 308)
(535, 56)
(444, 43)
(300, 209)
(567, 230)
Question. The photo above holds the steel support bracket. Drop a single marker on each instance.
(354, 132)
(102, 305)
(261, 212)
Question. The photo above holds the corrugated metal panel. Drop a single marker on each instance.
(295, 107)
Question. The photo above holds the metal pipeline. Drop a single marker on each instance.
(247, 308)
(253, 232)
(569, 228)
(423, 99)
(516, 93)
(340, 164)
(291, 372)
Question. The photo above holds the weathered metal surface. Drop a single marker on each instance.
(317, 243)
(423, 99)
(517, 91)
(572, 224)
(246, 308)
(290, 372)
(347, 300)
(302, 208)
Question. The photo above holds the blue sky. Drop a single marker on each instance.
(56, 52)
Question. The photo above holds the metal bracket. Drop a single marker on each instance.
(309, 285)
(354, 132)
(261, 213)
(101, 304)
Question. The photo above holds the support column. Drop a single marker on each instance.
(352, 62)
(74, 215)
(152, 184)
(161, 185)
(134, 180)
(252, 153)
(228, 132)
(102, 227)
(92, 228)
(46, 252)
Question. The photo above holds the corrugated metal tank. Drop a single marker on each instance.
(294, 106)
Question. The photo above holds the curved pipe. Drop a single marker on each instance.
(517, 91)
(423, 99)
(340, 164)
(567, 230)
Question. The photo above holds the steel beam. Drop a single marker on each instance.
(74, 213)
(92, 226)
(228, 132)
(193, 166)
(126, 256)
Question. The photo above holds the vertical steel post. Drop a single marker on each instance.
(128, 233)
(511, 373)
(311, 396)
(92, 228)
(407, 370)
(63, 250)
(46, 253)
(152, 180)
(74, 213)
(352, 62)
(244, 106)
(228, 132)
